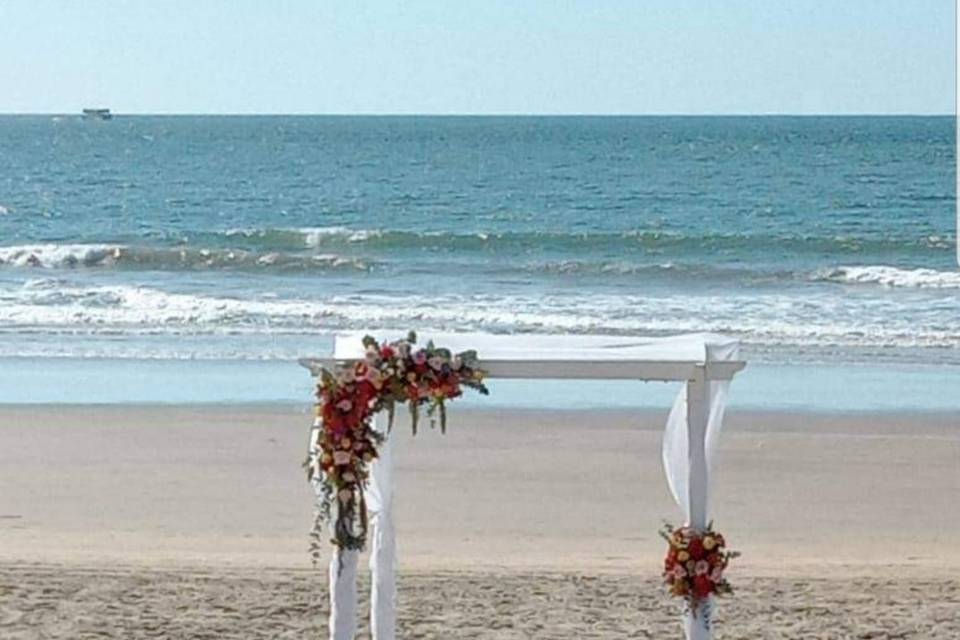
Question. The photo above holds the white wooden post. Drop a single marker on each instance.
(343, 594)
(383, 551)
(344, 564)
(697, 627)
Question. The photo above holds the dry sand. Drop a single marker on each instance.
(172, 522)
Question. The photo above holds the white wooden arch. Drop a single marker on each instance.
(704, 363)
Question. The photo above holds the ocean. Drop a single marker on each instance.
(172, 246)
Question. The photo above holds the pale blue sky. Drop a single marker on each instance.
(491, 56)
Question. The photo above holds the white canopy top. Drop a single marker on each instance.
(575, 356)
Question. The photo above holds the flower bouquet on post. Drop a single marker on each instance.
(344, 442)
(695, 564)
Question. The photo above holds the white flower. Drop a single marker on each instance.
(345, 405)
(344, 495)
(341, 457)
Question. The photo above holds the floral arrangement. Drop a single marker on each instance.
(695, 564)
(345, 443)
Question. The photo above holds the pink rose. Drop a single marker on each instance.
(702, 568)
(716, 576)
(345, 405)
(341, 457)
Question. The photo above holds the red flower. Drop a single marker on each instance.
(387, 352)
(702, 587)
(695, 547)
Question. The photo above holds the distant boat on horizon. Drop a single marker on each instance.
(97, 114)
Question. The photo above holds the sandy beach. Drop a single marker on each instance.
(190, 522)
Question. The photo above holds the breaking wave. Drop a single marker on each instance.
(892, 277)
(643, 240)
(76, 256)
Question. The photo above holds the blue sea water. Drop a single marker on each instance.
(824, 242)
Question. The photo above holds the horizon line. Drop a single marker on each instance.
(79, 113)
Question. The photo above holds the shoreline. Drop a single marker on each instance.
(856, 389)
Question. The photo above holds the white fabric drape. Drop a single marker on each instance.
(676, 452)
(676, 456)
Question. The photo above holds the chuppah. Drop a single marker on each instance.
(349, 460)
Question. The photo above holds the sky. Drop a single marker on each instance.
(479, 57)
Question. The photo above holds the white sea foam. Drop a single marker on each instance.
(315, 236)
(50, 306)
(311, 237)
(892, 277)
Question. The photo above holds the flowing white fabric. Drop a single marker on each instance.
(676, 457)
(676, 452)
